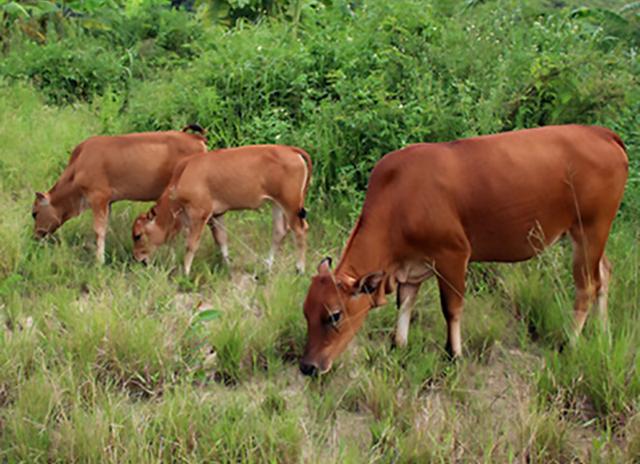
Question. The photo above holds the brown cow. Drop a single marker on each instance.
(105, 169)
(204, 187)
(432, 208)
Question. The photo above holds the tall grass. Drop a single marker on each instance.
(121, 363)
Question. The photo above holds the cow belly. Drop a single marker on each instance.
(138, 190)
(516, 244)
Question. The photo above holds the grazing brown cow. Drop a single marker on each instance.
(432, 208)
(204, 187)
(104, 169)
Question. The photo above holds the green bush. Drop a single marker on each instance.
(350, 87)
(347, 81)
(68, 70)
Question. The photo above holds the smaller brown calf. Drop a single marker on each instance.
(205, 186)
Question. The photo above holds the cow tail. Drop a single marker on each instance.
(302, 213)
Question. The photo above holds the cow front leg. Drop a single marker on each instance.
(100, 208)
(299, 227)
(451, 271)
(406, 298)
(194, 234)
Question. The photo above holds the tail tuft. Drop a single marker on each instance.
(302, 213)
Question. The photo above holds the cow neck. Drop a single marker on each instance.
(66, 197)
(364, 253)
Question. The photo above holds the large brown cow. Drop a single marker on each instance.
(105, 169)
(204, 187)
(432, 208)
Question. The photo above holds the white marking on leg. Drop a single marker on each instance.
(188, 260)
(100, 249)
(603, 294)
(601, 308)
(219, 230)
(100, 229)
(455, 338)
(402, 331)
(299, 239)
(584, 299)
(279, 232)
(269, 260)
(225, 253)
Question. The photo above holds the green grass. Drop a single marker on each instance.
(114, 363)
(123, 363)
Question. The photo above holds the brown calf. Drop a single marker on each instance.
(204, 187)
(104, 169)
(430, 209)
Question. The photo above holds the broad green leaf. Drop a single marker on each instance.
(206, 315)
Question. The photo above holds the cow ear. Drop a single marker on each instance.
(372, 284)
(42, 198)
(325, 266)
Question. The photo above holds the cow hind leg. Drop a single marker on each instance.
(291, 199)
(299, 227)
(406, 294)
(603, 293)
(590, 269)
(219, 233)
(279, 232)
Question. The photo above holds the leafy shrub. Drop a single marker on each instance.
(350, 86)
(67, 70)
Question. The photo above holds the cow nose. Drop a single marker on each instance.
(308, 369)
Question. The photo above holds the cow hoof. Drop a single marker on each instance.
(398, 343)
(563, 346)
(451, 356)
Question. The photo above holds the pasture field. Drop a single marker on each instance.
(124, 363)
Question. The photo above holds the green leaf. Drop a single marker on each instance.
(206, 315)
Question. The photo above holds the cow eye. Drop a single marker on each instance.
(34, 214)
(334, 319)
(137, 237)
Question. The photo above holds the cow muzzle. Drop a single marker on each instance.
(313, 369)
(41, 234)
(310, 370)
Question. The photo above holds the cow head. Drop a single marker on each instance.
(335, 309)
(46, 216)
(147, 236)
